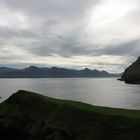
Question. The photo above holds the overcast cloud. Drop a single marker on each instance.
(98, 34)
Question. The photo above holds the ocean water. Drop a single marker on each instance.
(107, 92)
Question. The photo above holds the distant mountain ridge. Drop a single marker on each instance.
(53, 72)
(6, 69)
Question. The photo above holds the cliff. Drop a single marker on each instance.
(132, 73)
(30, 116)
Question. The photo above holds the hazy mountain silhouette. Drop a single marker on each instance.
(53, 72)
(6, 69)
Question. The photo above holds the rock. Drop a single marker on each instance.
(132, 73)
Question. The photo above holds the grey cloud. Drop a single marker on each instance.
(9, 33)
(73, 46)
(52, 8)
(130, 48)
(46, 39)
(57, 27)
(66, 46)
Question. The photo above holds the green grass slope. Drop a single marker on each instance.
(30, 116)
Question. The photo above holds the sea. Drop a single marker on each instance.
(108, 92)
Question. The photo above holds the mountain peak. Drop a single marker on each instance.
(86, 69)
(31, 68)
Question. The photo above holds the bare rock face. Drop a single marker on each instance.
(132, 73)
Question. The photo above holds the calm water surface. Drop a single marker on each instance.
(96, 91)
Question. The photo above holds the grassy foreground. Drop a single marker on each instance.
(30, 116)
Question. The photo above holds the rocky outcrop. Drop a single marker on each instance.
(30, 116)
(132, 73)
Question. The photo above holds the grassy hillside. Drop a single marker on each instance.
(30, 116)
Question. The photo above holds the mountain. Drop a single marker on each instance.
(6, 69)
(30, 116)
(53, 72)
(132, 73)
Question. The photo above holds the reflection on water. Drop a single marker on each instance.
(96, 91)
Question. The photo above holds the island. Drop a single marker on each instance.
(132, 73)
(30, 116)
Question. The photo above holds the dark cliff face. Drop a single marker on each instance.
(132, 73)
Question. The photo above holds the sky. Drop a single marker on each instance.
(97, 34)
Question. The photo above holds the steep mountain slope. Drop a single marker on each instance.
(132, 73)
